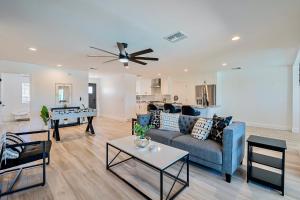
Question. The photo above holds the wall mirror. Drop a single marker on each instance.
(63, 94)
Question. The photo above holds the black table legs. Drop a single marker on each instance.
(56, 131)
(162, 172)
(90, 127)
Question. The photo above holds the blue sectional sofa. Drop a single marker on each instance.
(225, 158)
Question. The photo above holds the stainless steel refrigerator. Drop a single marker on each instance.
(201, 95)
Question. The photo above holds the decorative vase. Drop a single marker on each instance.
(142, 142)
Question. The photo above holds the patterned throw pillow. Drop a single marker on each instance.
(202, 128)
(219, 123)
(169, 121)
(11, 139)
(155, 118)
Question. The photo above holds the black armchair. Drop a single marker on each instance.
(171, 108)
(189, 110)
(33, 151)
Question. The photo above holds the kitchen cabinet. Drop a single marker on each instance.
(166, 86)
(143, 86)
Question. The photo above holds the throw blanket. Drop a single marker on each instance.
(10, 153)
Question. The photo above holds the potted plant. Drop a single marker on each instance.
(141, 140)
(45, 116)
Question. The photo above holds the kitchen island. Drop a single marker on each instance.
(206, 112)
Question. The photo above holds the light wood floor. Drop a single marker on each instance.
(77, 170)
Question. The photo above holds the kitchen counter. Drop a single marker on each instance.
(206, 112)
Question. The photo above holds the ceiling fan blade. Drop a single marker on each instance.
(139, 62)
(121, 48)
(141, 52)
(104, 51)
(145, 58)
(126, 64)
(111, 60)
(101, 56)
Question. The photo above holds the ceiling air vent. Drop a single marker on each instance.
(175, 37)
(236, 68)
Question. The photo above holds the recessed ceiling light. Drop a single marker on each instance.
(235, 38)
(59, 65)
(159, 74)
(224, 64)
(32, 49)
(185, 70)
(127, 67)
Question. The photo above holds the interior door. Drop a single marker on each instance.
(92, 95)
(13, 95)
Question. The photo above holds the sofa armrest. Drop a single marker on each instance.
(142, 119)
(233, 146)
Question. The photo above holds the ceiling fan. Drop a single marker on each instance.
(125, 57)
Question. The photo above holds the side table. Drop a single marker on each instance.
(264, 176)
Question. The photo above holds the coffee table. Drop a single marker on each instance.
(160, 160)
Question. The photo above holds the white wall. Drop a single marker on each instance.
(118, 96)
(43, 81)
(261, 97)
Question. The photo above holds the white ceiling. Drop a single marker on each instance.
(62, 31)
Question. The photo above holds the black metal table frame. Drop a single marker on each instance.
(184, 183)
(89, 128)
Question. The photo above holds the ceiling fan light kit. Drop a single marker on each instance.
(124, 57)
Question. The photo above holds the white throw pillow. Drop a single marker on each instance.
(169, 121)
(202, 128)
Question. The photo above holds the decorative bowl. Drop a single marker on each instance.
(142, 142)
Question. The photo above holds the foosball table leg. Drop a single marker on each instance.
(90, 127)
(56, 132)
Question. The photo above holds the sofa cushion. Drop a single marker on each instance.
(207, 150)
(155, 118)
(219, 123)
(163, 136)
(186, 123)
(169, 121)
(143, 119)
(202, 128)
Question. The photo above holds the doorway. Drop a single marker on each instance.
(92, 95)
(15, 97)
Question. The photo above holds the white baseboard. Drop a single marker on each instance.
(270, 126)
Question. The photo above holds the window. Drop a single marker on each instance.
(25, 92)
(90, 90)
(61, 95)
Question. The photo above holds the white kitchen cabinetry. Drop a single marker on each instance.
(143, 87)
(166, 86)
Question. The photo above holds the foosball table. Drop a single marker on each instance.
(57, 115)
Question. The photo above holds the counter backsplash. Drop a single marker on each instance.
(148, 98)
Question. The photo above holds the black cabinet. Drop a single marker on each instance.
(264, 176)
